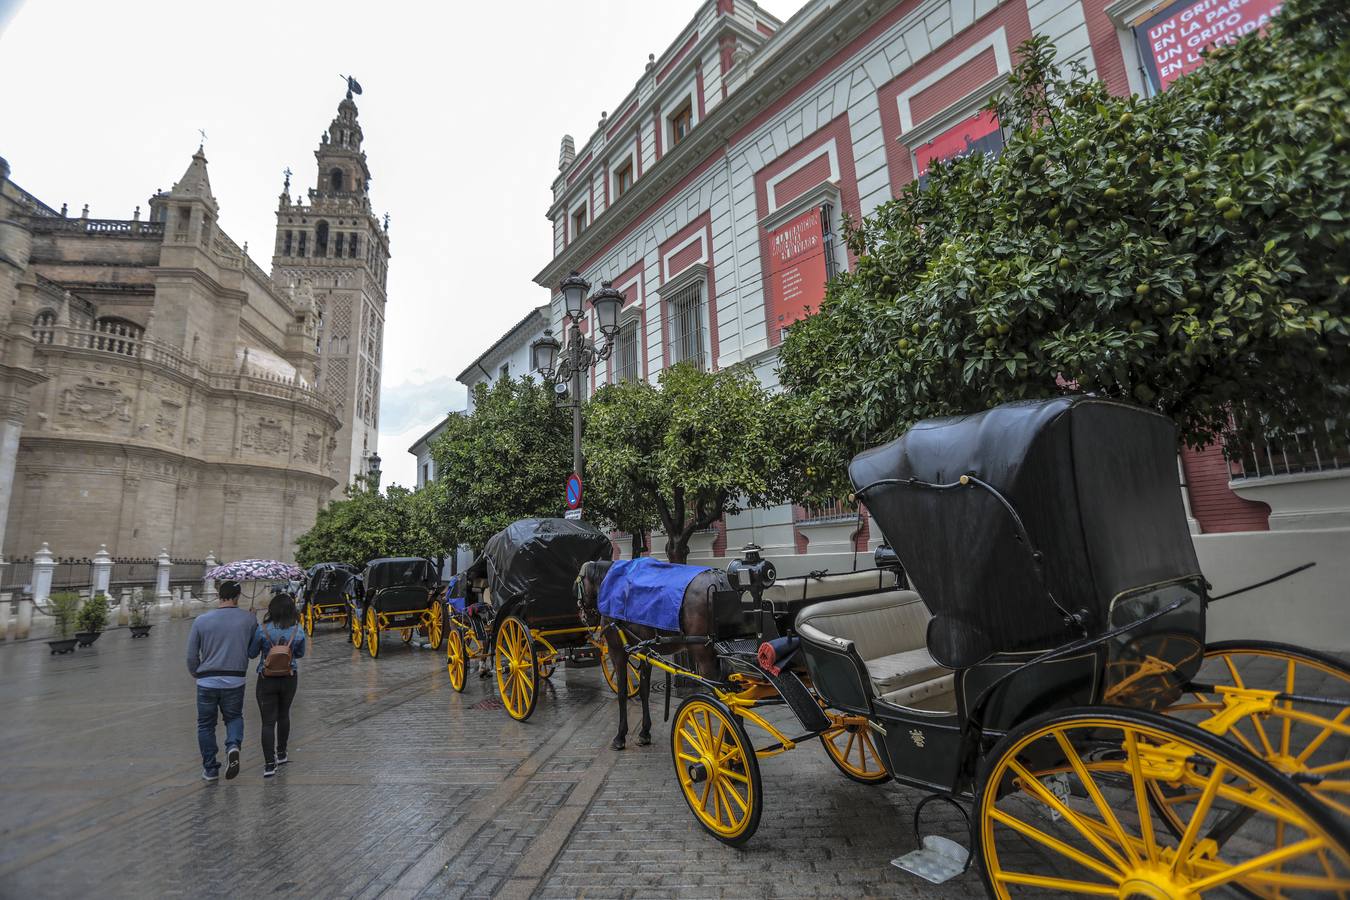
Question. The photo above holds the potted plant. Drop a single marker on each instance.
(92, 619)
(140, 617)
(63, 607)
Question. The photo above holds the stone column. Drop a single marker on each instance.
(162, 595)
(102, 569)
(209, 583)
(44, 567)
(25, 619)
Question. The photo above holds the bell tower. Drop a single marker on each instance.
(331, 241)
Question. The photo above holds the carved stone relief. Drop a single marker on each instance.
(267, 436)
(98, 402)
(166, 422)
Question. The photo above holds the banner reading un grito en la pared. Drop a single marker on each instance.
(1171, 40)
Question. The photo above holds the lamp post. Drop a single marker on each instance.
(579, 355)
(373, 470)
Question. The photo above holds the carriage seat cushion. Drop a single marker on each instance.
(888, 630)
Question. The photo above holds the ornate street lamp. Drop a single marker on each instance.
(544, 355)
(373, 470)
(555, 362)
(607, 302)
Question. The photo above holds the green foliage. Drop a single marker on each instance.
(682, 453)
(93, 616)
(506, 460)
(140, 610)
(367, 525)
(1186, 252)
(63, 607)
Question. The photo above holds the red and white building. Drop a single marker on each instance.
(713, 197)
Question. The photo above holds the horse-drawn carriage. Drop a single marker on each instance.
(1050, 667)
(330, 592)
(515, 605)
(403, 594)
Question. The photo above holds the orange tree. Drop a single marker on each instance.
(1188, 252)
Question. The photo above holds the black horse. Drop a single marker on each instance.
(696, 624)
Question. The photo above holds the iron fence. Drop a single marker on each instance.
(18, 576)
(1253, 452)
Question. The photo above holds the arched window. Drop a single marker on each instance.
(335, 180)
(287, 251)
(339, 248)
(44, 324)
(321, 239)
(351, 251)
(116, 336)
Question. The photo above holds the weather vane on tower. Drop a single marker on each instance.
(353, 86)
(202, 132)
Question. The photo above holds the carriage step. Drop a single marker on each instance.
(743, 647)
(799, 700)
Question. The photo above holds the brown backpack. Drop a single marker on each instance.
(277, 663)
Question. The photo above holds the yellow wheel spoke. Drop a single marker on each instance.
(1141, 797)
(1198, 817)
(1032, 785)
(1337, 724)
(1288, 723)
(1257, 864)
(1103, 808)
(1058, 846)
(1057, 884)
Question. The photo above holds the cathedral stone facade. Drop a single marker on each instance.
(159, 390)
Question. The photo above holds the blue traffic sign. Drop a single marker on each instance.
(573, 491)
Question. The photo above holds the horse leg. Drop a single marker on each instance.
(618, 655)
(645, 692)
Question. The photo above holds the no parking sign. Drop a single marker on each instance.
(573, 491)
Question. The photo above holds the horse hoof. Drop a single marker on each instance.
(644, 740)
(617, 744)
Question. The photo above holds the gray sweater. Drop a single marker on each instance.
(218, 643)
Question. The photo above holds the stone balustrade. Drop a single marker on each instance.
(130, 228)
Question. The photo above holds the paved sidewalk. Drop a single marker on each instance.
(399, 787)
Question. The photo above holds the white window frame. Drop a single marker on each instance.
(629, 318)
(583, 204)
(615, 163)
(672, 102)
(695, 276)
(826, 193)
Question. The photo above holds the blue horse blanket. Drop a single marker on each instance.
(645, 591)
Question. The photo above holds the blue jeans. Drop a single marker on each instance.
(230, 702)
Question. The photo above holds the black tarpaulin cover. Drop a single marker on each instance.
(399, 572)
(329, 578)
(1096, 485)
(535, 561)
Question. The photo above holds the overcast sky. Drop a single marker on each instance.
(463, 110)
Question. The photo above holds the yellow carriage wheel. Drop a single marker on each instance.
(435, 624)
(611, 673)
(372, 632)
(850, 745)
(406, 634)
(307, 619)
(718, 771)
(456, 663)
(517, 668)
(1309, 739)
(1063, 807)
(354, 618)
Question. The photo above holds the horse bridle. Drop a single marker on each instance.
(579, 593)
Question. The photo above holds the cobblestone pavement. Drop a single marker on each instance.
(398, 787)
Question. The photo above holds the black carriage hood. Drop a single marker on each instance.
(398, 572)
(1096, 485)
(327, 576)
(538, 559)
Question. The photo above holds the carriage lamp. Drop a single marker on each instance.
(751, 572)
(574, 289)
(544, 354)
(607, 302)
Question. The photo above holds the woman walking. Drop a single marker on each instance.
(280, 641)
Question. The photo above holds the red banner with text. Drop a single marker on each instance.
(797, 272)
(1171, 40)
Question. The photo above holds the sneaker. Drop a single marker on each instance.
(231, 763)
(282, 759)
(269, 769)
(210, 774)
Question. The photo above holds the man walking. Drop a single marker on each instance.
(217, 656)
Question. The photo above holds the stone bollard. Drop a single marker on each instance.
(25, 619)
(101, 574)
(6, 623)
(209, 583)
(162, 595)
(43, 568)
